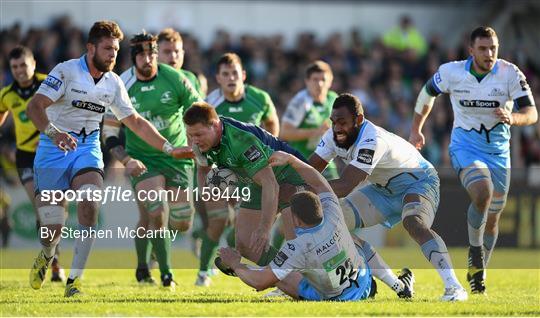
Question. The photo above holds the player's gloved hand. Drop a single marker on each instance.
(135, 167)
(183, 153)
(417, 139)
(504, 116)
(230, 257)
(259, 240)
(279, 158)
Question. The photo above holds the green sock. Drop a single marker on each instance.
(208, 251)
(162, 247)
(267, 256)
(143, 248)
(229, 236)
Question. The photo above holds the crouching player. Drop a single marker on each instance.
(322, 261)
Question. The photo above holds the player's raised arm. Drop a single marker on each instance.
(311, 176)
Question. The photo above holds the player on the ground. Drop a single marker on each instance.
(14, 98)
(68, 108)
(249, 104)
(160, 94)
(401, 185)
(306, 118)
(483, 91)
(171, 52)
(245, 149)
(319, 260)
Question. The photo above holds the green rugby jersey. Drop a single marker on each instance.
(303, 112)
(162, 101)
(194, 81)
(255, 107)
(245, 149)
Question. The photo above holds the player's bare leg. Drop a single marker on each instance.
(87, 212)
(479, 186)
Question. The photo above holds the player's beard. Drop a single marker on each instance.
(101, 65)
(145, 71)
(351, 138)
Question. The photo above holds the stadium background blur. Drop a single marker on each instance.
(358, 40)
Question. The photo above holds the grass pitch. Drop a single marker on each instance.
(512, 290)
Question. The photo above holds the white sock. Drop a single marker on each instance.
(436, 252)
(49, 250)
(81, 252)
(380, 269)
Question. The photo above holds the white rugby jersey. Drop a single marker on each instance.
(475, 124)
(324, 254)
(79, 103)
(298, 107)
(381, 154)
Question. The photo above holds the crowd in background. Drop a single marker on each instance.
(386, 73)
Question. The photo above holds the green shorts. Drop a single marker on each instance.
(177, 173)
(288, 175)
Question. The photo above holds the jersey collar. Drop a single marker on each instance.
(362, 128)
(469, 62)
(84, 64)
(299, 230)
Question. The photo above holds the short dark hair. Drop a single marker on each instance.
(200, 113)
(318, 67)
(482, 32)
(102, 29)
(228, 59)
(353, 104)
(307, 207)
(19, 51)
(169, 35)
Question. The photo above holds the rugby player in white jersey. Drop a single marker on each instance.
(385, 181)
(319, 260)
(483, 91)
(67, 109)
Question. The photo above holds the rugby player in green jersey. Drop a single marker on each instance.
(307, 116)
(238, 100)
(245, 149)
(241, 101)
(160, 94)
(171, 52)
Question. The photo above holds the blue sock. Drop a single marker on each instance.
(476, 223)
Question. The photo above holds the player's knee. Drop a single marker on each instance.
(180, 216)
(413, 224)
(181, 226)
(142, 223)
(481, 195)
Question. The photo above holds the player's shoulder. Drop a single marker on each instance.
(168, 71)
(215, 98)
(188, 74)
(238, 132)
(5, 90)
(453, 67)
(332, 95)
(370, 133)
(506, 68)
(127, 75)
(300, 99)
(256, 92)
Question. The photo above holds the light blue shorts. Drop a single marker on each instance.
(358, 290)
(389, 200)
(54, 169)
(498, 165)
